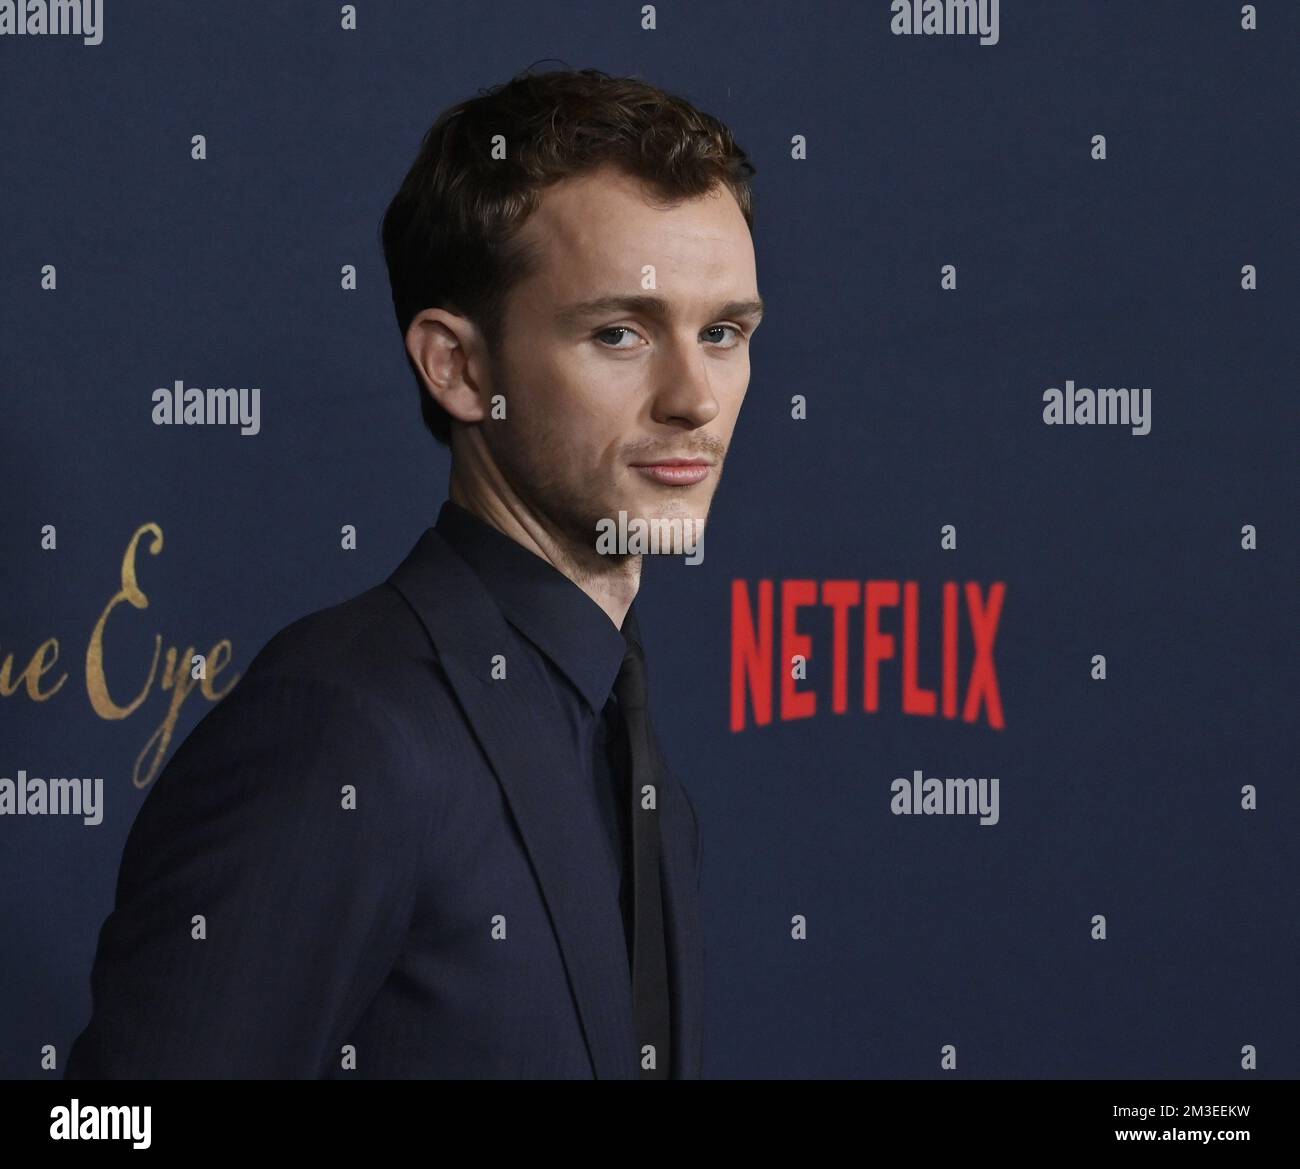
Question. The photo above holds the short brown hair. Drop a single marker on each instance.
(447, 233)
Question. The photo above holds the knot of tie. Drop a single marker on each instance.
(629, 686)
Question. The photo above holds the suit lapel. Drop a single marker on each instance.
(556, 822)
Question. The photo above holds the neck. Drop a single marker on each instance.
(611, 581)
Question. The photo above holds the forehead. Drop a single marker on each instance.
(600, 230)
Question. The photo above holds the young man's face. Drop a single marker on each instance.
(602, 398)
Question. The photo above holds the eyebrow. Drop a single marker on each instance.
(653, 306)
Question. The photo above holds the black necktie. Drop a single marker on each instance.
(650, 1006)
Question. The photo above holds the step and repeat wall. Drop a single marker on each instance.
(985, 688)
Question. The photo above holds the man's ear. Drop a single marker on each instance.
(450, 354)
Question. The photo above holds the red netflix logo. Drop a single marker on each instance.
(753, 661)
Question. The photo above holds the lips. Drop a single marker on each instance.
(675, 472)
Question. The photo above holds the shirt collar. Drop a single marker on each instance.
(573, 631)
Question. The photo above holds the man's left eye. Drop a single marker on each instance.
(723, 328)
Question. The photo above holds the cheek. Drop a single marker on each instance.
(567, 429)
(547, 398)
(730, 389)
(600, 400)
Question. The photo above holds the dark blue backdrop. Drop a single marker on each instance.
(1119, 797)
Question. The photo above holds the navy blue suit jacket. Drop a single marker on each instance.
(264, 928)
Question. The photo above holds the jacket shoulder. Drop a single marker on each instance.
(371, 645)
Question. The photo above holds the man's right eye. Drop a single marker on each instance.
(617, 330)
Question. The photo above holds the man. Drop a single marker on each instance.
(430, 832)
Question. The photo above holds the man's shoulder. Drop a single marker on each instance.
(349, 639)
(371, 648)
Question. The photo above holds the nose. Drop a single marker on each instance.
(684, 394)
